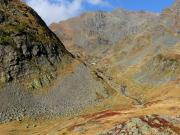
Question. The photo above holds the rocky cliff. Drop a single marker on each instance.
(121, 39)
(100, 30)
(28, 49)
(138, 55)
(38, 76)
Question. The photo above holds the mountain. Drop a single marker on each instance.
(38, 76)
(119, 75)
(28, 47)
(100, 30)
(138, 55)
(120, 39)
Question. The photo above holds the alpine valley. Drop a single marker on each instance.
(101, 73)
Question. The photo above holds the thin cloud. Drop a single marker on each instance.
(55, 12)
(98, 2)
(95, 2)
(58, 10)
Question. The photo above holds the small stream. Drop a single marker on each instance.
(124, 92)
(119, 88)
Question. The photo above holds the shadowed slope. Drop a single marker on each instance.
(38, 76)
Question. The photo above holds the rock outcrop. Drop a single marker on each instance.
(38, 76)
(28, 49)
(145, 125)
(100, 30)
(121, 39)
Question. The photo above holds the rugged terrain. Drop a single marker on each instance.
(142, 46)
(122, 75)
(138, 55)
(100, 30)
(38, 76)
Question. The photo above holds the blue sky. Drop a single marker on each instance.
(58, 10)
(148, 5)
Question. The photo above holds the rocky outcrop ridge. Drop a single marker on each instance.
(32, 58)
(28, 49)
(145, 125)
(99, 30)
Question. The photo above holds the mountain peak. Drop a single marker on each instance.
(38, 76)
(27, 47)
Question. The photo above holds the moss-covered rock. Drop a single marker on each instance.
(27, 46)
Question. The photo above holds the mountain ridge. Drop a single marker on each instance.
(100, 28)
(38, 76)
(138, 55)
(118, 75)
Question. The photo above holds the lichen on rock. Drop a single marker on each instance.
(27, 46)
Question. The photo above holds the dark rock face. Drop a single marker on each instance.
(31, 56)
(27, 47)
(5, 1)
(2, 18)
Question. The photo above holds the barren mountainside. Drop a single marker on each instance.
(120, 39)
(28, 48)
(99, 30)
(120, 73)
(38, 76)
(138, 55)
